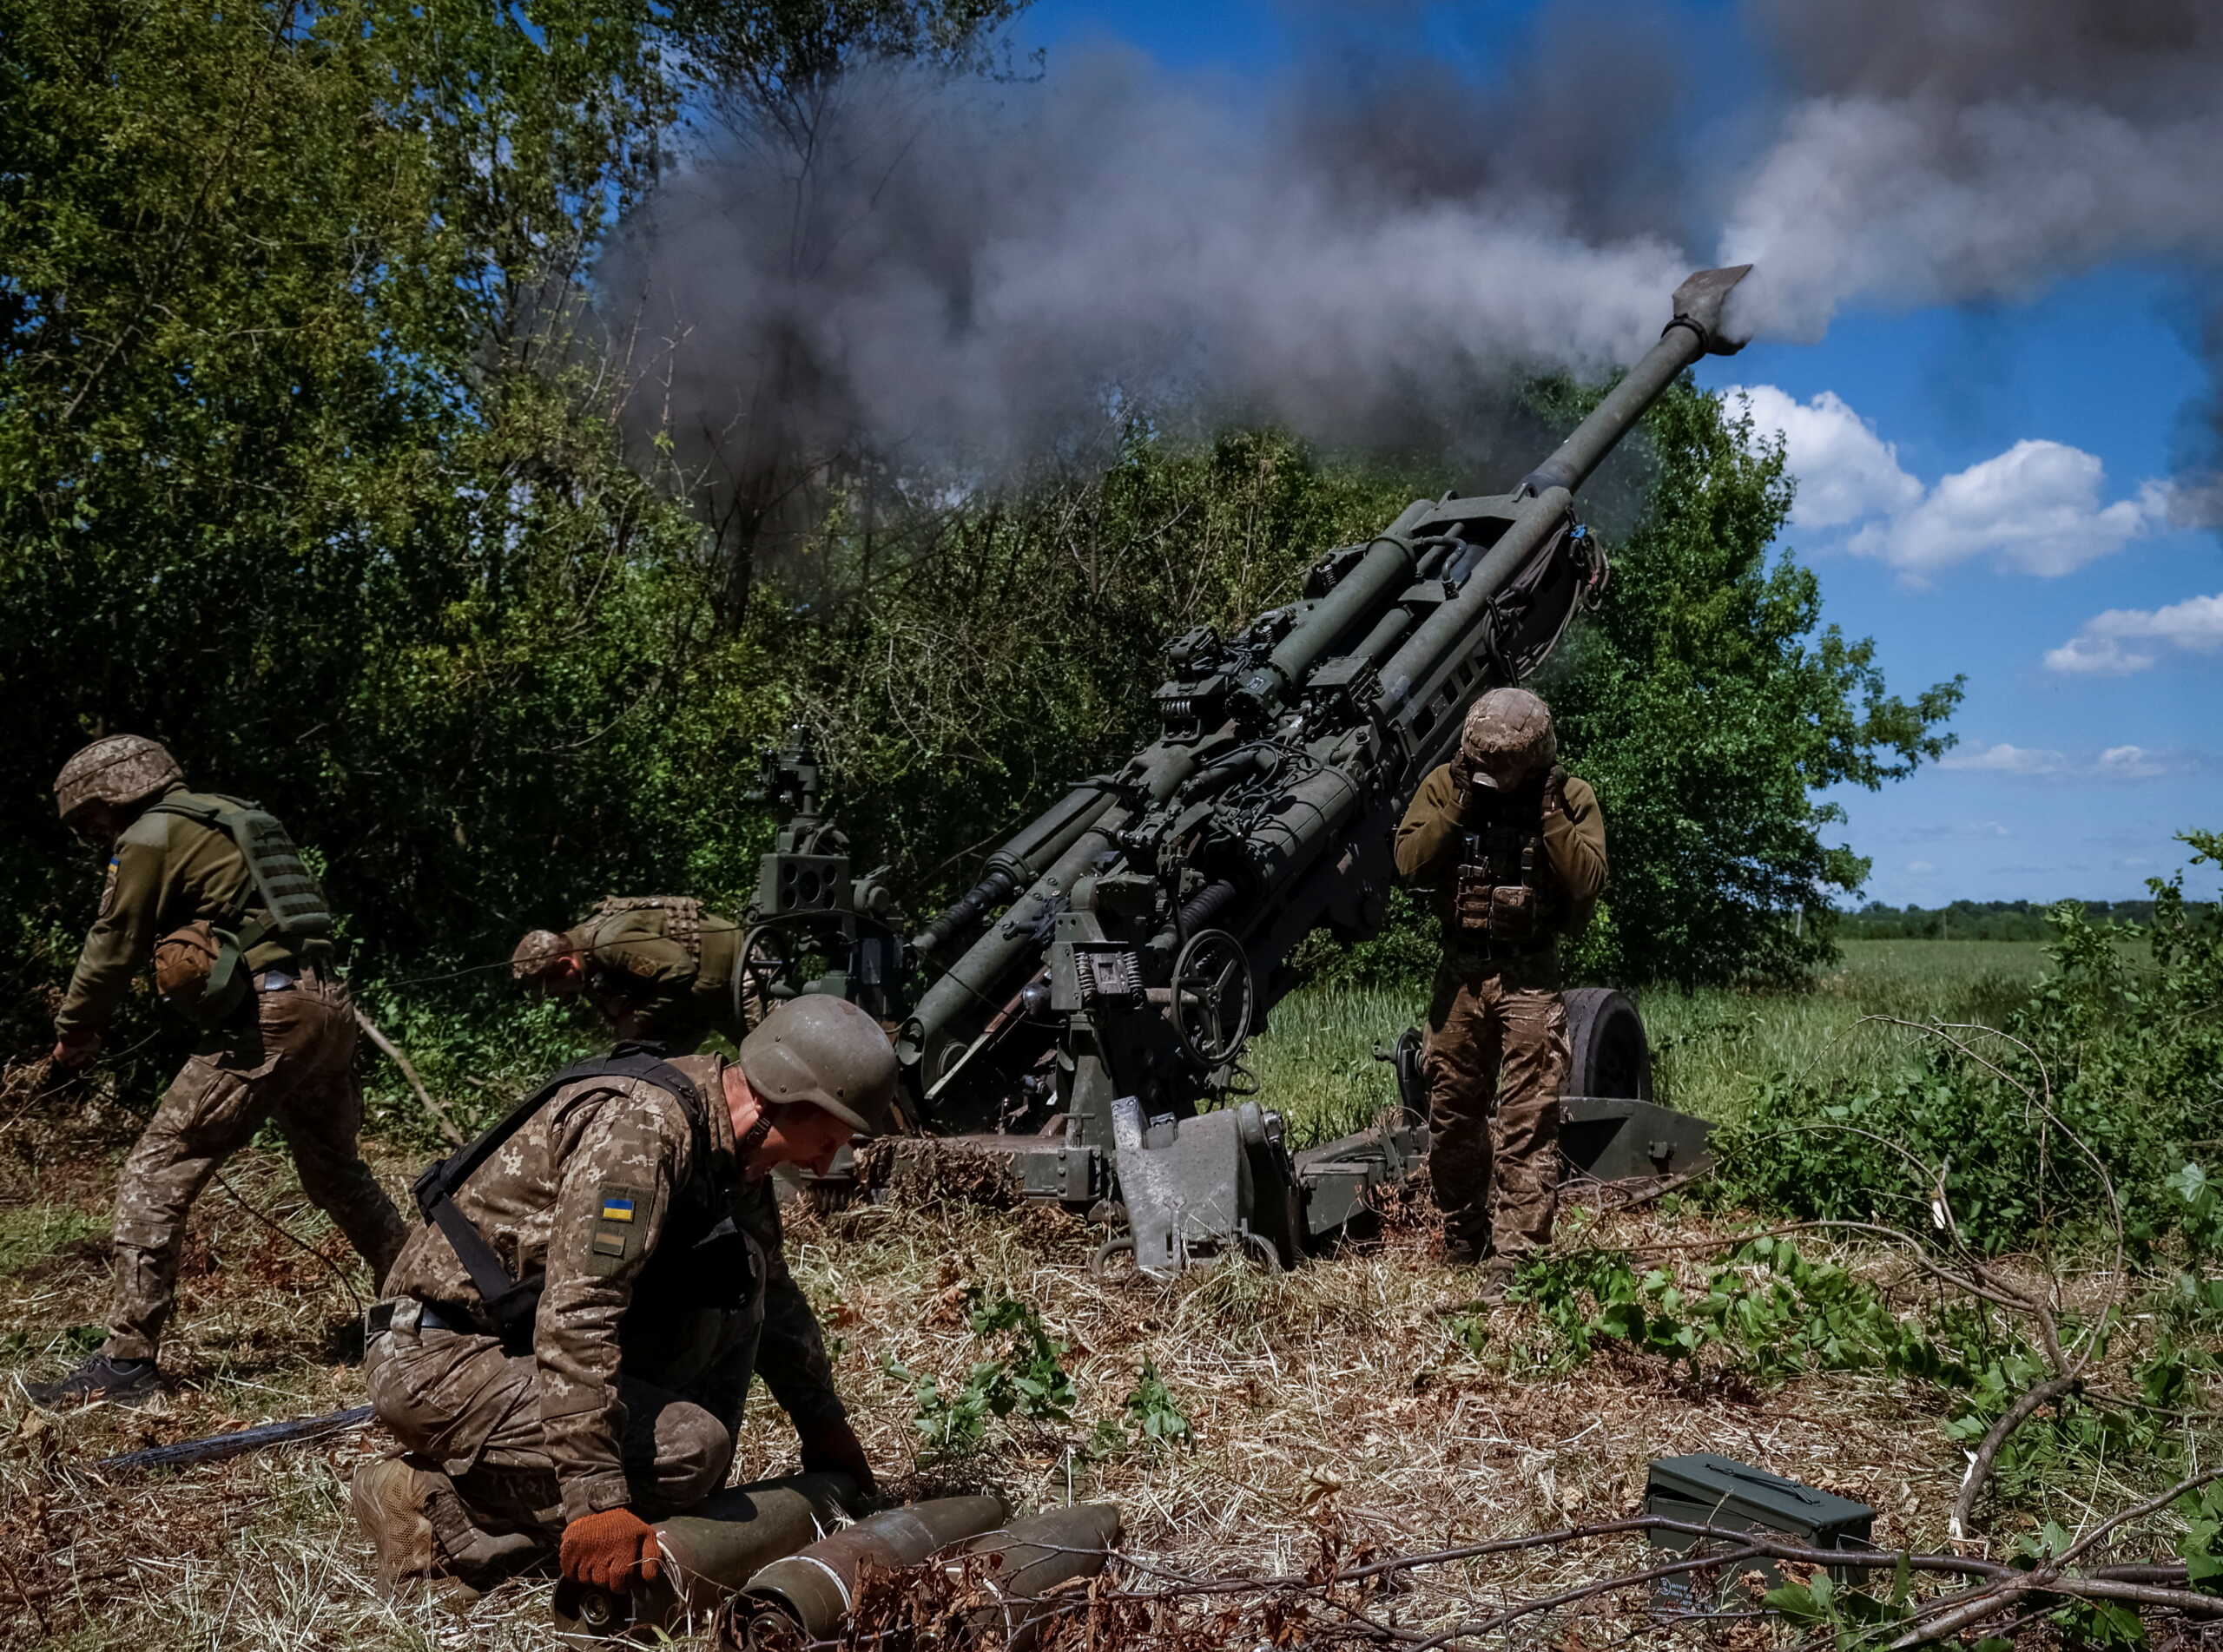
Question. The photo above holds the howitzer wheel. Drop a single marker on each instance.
(1215, 996)
(762, 974)
(1605, 1037)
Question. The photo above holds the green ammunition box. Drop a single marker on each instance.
(1710, 1491)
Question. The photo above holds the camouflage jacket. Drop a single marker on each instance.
(584, 1196)
(164, 872)
(1571, 824)
(673, 990)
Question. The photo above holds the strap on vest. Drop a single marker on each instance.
(512, 1303)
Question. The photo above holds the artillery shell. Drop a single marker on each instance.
(708, 1555)
(1034, 1556)
(812, 1592)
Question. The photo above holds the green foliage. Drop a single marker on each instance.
(299, 469)
(2111, 1072)
(31, 1232)
(2200, 1546)
(307, 467)
(1977, 920)
(1155, 1412)
(1027, 1379)
(1851, 1616)
(1769, 1313)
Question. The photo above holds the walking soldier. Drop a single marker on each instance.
(211, 890)
(1514, 849)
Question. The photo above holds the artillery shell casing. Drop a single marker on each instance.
(813, 1591)
(1035, 1556)
(709, 1553)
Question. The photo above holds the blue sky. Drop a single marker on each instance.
(2046, 419)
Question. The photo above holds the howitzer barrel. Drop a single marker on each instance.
(1018, 863)
(974, 977)
(1416, 675)
(1387, 568)
(1696, 331)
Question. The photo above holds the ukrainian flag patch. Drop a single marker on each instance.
(619, 1224)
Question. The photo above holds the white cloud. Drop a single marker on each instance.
(2039, 508)
(1920, 867)
(2107, 643)
(2132, 763)
(2004, 759)
(2115, 763)
(1845, 471)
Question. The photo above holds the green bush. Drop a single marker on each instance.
(2093, 1096)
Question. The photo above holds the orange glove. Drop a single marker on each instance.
(613, 1549)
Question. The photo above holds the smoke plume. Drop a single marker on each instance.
(1370, 249)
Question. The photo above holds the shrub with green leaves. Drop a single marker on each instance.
(1028, 1380)
(2105, 1084)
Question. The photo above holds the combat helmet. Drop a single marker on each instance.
(119, 770)
(539, 949)
(827, 1053)
(1507, 738)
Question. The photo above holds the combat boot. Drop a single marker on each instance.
(120, 1382)
(392, 1500)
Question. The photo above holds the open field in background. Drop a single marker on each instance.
(1316, 1063)
(1351, 1399)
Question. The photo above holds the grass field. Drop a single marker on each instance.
(1316, 1063)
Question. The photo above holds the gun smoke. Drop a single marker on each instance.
(969, 278)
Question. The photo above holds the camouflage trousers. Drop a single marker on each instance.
(290, 1061)
(468, 1415)
(1497, 1054)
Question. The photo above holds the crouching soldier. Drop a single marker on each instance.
(1514, 848)
(660, 969)
(211, 891)
(574, 1327)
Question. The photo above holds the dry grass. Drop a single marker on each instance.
(1337, 1398)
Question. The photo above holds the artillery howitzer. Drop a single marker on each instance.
(1100, 980)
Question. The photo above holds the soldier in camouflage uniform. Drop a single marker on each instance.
(574, 1331)
(1513, 847)
(209, 890)
(659, 968)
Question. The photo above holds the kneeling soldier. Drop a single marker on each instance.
(212, 892)
(658, 968)
(599, 1276)
(1514, 846)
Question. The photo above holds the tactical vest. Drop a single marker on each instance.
(712, 954)
(682, 918)
(280, 902)
(285, 892)
(1505, 896)
(702, 1254)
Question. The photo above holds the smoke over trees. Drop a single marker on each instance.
(954, 279)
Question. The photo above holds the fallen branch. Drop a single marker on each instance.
(447, 1125)
(1986, 1455)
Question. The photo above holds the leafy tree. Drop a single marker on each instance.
(1708, 705)
(297, 469)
